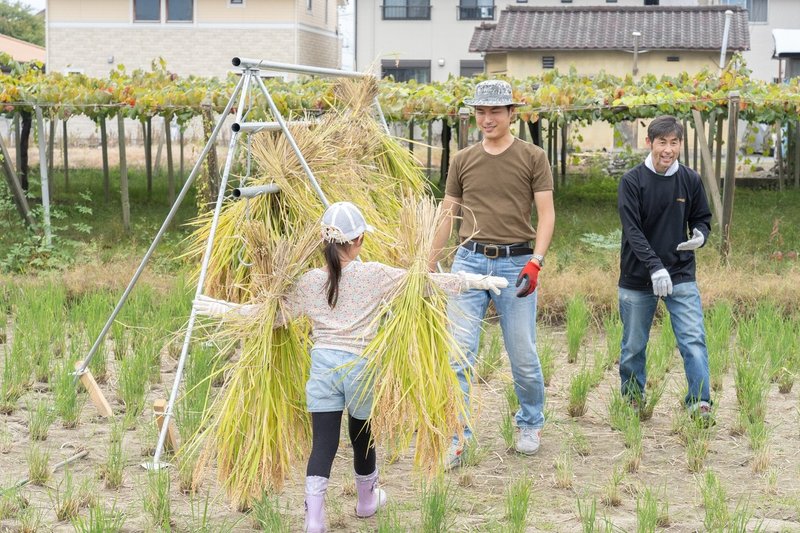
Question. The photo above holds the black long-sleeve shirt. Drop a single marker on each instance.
(657, 213)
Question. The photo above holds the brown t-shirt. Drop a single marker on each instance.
(496, 191)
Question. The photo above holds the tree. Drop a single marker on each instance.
(16, 20)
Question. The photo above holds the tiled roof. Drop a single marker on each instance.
(611, 28)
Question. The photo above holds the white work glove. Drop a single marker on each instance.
(694, 243)
(662, 283)
(207, 306)
(484, 283)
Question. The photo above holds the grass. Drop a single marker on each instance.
(68, 398)
(38, 465)
(133, 384)
(719, 327)
(267, 515)
(578, 317)
(713, 494)
(547, 357)
(156, 499)
(436, 506)
(68, 499)
(507, 428)
(579, 388)
(40, 418)
(99, 520)
(111, 472)
(611, 491)
(563, 467)
(518, 499)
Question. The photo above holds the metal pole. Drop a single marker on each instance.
(730, 170)
(246, 80)
(263, 64)
(277, 116)
(254, 127)
(167, 221)
(48, 237)
(723, 51)
(380, 115)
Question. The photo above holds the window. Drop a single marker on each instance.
(406, 70)
(147, 10)
(407, 9)
(757, 10)
(673, 59)
(175, 10)
(236, 2)
(548, 62)
(611, 1)
(309, 5)
(566, 1)
(179, 10)
(651, 2)
(476, 10)
(471, 67)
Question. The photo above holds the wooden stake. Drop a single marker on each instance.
(730, 170)
(96, 395)
(159, 408)
(712, 190)
(123, 175)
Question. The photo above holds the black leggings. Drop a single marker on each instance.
(325, 429)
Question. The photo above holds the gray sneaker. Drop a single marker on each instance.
(528, 440)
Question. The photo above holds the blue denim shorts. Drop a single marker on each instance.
(337, 382)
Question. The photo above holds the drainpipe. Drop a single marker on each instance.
(725, 33)
(636, 36)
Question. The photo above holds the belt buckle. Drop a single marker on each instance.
(487, 247)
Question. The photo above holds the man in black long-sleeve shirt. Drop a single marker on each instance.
(665, 217)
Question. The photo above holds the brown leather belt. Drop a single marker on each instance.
(493, 251)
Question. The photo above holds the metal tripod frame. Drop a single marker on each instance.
(251, 76)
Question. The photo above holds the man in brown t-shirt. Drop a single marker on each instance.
(493, 185)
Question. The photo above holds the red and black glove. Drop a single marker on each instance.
(528, 278)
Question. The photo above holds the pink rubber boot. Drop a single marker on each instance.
(316, 487)
(370, 497)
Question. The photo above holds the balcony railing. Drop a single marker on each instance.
(406, 12)
(476, 13)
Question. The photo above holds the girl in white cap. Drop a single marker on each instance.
(342, 300)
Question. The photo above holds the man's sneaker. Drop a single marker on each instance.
(702, 411)
(528, 440)
(453, 458)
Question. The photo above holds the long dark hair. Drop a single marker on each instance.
(334, 271)
(333, 258)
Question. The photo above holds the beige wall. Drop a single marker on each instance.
(521, 64)
(94, 36)
(205, 10)
(89, 10)
(205, 52)
(317, 50)
(253, 10)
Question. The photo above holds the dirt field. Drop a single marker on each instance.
(478, 492)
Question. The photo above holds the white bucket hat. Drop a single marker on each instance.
(343, 222)
(492, 93)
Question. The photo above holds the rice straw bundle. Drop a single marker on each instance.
(259, 426)
(352, 158)
(415, 389)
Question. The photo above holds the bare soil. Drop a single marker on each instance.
(478, 492)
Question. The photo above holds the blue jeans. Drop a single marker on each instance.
(518, 323)
(686, 313)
